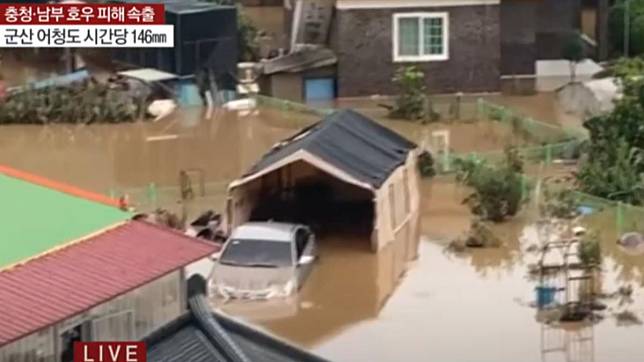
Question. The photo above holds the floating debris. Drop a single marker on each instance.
(632, 243)
(627, 318)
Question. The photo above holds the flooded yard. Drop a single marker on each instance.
(127, 158)
(471, 306)
(477, 305)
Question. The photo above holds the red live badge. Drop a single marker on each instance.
(110, 352)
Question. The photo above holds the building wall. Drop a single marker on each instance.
(518, 36)
(285, 86)
(363, 41)
(131, 316)
(290, 86)
(556, 20)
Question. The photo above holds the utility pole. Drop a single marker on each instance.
(627, 26)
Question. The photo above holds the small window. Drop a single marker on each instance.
(420, 37)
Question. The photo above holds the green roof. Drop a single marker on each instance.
(35, 219)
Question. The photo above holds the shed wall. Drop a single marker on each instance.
(396, 206)
(128, 317)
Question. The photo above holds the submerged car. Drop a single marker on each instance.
(263, 260)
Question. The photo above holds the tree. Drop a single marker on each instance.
(248, 32)
(573, 52)
(617, 27)
(497, 190)
(410, 103)
(614, 163)
(629, 72)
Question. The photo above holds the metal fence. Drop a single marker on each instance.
(555, 144)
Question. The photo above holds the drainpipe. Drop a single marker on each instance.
(601, 28)
(295, 24)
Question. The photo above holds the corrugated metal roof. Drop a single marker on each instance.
(67, 282)
(204, 336)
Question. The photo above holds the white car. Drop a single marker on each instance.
(263, 260)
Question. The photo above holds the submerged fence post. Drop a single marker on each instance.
(152, 194)
(548, 154)
(619, 222)
(524, 188)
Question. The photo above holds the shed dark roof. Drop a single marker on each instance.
(71, 280)
(305, 59)
(351, 142)
(206, 336)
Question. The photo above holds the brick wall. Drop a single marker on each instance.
(518, 36)
(362, 40)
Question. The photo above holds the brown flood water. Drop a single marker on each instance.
(469, 307)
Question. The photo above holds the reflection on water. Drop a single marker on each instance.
(348, 285)
(104, 157)
(472, 306)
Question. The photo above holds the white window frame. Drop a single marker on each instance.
(421, 57)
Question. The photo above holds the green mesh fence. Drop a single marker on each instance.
(287, 105)
(552, 143)
(526, 127)
(145, 199)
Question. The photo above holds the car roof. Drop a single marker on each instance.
(275, 231)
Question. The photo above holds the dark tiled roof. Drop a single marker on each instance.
(80, 276)
(213, 336)
(351, 142)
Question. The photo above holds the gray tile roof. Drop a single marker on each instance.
(198, 337)
(349, 141)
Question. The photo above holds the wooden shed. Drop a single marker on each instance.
(344, 173)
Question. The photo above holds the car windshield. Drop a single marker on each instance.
(257, 253)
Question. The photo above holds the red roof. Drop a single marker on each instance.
(78, 277)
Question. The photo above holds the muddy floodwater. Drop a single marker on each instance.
(128, 158)
(471, 306)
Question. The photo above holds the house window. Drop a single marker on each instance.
(420, 37)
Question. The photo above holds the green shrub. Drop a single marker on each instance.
(589, 250)
(498, 190)
(83, 102)
(426, 165)
(411, 102)
(560, 204)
